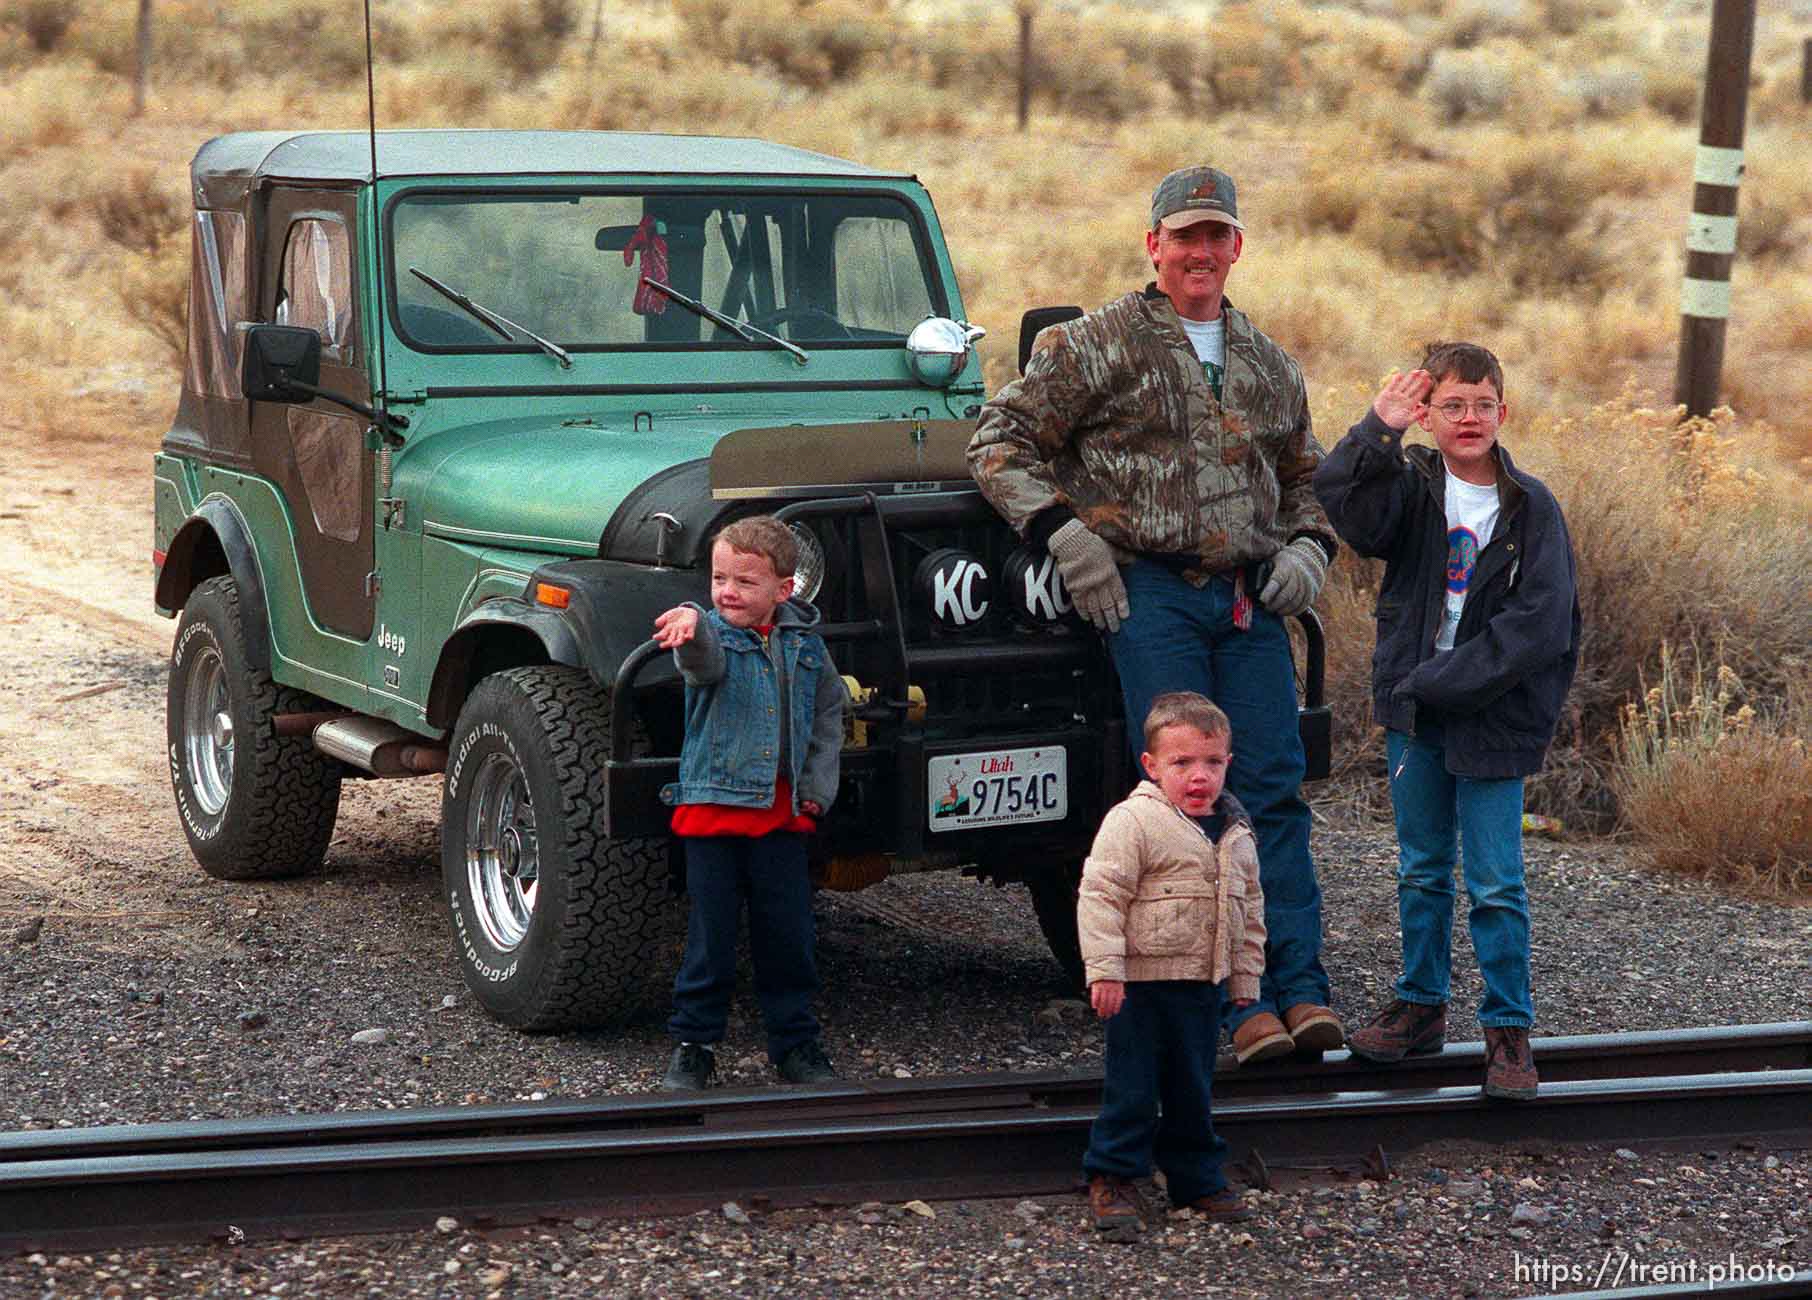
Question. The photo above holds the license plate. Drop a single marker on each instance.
(1004, 787)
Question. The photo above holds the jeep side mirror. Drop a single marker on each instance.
(1037, 319)
(282, 363)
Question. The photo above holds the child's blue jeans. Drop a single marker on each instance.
(769, 873)
(1155, 1102)
(1438, 813)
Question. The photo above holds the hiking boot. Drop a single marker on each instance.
(1113, 1207)
(1314, 1028)
(1401, 1029)
(1225, 1206)
(1262, 1038)
(806, 1063)
(693, 1067)
(1509, 1064)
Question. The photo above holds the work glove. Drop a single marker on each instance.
(1089, 571)
(1297, 572)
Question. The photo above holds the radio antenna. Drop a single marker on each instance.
(389, 423)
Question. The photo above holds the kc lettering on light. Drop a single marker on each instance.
(953, 596)
(1046, 596)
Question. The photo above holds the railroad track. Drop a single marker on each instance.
(981, 1135)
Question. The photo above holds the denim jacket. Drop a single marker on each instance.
(738, 733)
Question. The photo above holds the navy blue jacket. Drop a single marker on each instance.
(1497, 695)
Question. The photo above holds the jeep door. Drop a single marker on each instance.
(315, 452)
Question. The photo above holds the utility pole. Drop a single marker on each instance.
(1711, 231)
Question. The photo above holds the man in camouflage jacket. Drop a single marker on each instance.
(1160, 448)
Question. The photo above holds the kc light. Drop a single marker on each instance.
(955, 587)
(1034, 589)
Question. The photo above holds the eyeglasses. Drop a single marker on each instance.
(1486, 408)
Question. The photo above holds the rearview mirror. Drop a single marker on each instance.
(282, 363)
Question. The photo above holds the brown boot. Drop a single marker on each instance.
(1225, 1206)
(1262, 1038)
(1401, 1029)
(1315, 1028)
(1509, 1064)
(1113, 1207)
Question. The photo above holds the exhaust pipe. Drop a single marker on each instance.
(379, 747)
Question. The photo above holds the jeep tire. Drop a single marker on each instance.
(254, 805)
(555, 926)
(1054, 902)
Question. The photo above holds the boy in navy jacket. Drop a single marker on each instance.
(764, 732)
(1478, 637)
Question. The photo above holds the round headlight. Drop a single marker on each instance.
(1035, 590)
(937, 350)
(955, 587)
(808, 571)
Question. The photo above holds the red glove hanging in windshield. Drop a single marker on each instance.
(653, 247)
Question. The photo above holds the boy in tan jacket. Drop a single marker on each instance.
(1167, 911)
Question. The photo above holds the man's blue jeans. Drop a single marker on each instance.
(1155, 1090)
(1182, 638)
(1437, 812)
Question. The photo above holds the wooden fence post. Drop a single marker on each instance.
(1025, 62)
(142, 69)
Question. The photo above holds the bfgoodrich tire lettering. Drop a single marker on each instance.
(254, 805)
(555, 926)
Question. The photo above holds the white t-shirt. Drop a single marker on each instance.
(1471, 515)
(1209, 338)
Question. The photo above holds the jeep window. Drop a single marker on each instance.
(217, 303)
(316, 288)
(821, 269)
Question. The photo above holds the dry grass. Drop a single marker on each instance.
(1712, 787)
(1516, 171)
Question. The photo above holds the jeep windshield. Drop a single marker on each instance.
(824, 270)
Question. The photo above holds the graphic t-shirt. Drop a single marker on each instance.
(1471, 515)
(1209, 338)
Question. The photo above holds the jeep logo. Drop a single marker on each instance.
(956, 587)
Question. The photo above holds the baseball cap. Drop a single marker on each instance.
(1193, 194)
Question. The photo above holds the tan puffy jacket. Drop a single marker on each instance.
(1162, 901)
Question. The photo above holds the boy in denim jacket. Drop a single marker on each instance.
(764, 731)
(1170, 909)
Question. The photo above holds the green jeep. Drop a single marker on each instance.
(449, 440)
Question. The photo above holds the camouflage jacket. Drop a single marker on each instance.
(1114, 422)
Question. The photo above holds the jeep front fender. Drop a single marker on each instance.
(611, 607)
(215, 541)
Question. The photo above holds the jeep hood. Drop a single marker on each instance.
(537, 485)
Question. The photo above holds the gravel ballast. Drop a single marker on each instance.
(338, 992)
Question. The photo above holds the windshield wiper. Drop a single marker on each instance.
(748, 333)
(496, 321)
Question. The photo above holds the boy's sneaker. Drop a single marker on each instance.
(1401, 1029)
(1225, 1206)
(1509, 1064)
(807, 1063)
(1113, 1207)
(1261, 1038)
(693, 1067)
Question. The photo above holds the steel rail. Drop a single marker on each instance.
(1732, 1048)
(804, 1155)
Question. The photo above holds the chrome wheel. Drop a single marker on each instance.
(207, 732)
(503, 857)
